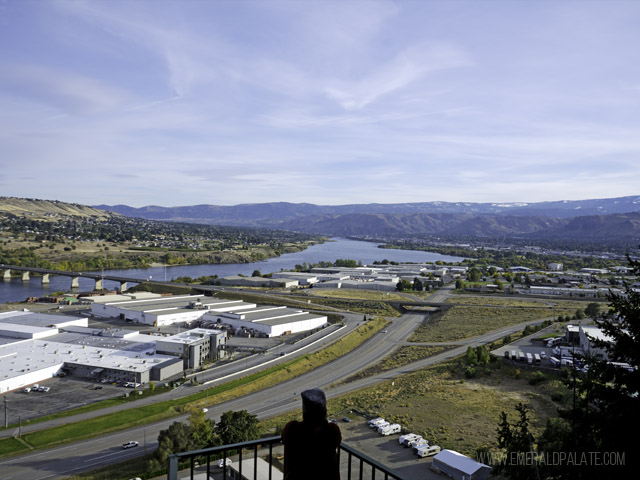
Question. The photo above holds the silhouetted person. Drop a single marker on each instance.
(311, 446)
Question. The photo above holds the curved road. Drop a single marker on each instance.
(60, 462)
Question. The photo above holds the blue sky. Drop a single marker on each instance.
(329, 102)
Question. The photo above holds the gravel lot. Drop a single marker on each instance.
(385, 450)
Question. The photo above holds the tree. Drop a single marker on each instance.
(403, 285)
(474, 274)
(237, 426)
(459, 285)
(417, 284)
(606, 401)
(592, 310)
(471, 357)
(177, 438)
(256, 273)
(515, 440)
(203, 429)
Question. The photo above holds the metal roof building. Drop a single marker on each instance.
(460, 467)
(271, 321)
(167, 310)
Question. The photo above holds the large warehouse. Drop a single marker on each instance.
(35, 347)
(270, 321)
(165, 311)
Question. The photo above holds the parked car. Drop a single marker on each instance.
(129, 445)
(346, 419)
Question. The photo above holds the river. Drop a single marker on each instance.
(15, 290)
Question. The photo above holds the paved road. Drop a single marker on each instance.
(63, 461)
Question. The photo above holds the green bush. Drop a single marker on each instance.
(536, 378)
(470, 372)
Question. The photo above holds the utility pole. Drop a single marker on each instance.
(6, 413)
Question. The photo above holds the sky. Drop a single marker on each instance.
(157, 102)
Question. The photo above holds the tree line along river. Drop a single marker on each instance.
(15, 290)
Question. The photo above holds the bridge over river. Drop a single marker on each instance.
(7, 270)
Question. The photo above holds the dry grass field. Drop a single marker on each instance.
(454, 412)
(459, 323)
(490, 300)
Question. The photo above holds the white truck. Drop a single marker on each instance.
(405, 439)
(390, 429)
(426, 450)
(529, 358)
(374, 423)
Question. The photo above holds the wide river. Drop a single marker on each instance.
(15, 290)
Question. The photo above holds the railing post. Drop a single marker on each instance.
(173, 468)
(255, 462)
(270, 459)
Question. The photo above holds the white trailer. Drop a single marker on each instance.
(408, 437)
(529, 358)
(513, 355)
(390, 429)
(418, 442)
(427, 450)
(536, 358)
(382, 424)
(375, 420)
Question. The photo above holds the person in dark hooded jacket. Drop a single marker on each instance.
(311, 446)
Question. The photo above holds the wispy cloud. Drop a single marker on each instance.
(66, 91)
(404, 69)
(321, 101)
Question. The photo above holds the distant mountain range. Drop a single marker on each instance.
(577, 219)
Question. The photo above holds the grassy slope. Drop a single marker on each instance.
(162, 410)
(36, 209)
(459, 323)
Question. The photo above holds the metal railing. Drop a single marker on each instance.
(353, 464)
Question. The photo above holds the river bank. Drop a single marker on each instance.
(16, 290)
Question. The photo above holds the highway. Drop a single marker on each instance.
(61, 462)
(89, 454)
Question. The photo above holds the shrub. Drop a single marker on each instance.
(470, 372)
(536, 378)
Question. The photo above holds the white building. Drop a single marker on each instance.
(587, 334)
(167, 310)
(270, 321)
(240, 281)
(460, 467)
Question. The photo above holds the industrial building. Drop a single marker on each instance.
(165, 311)
(589, 333)
(270, 321)
(195, 347)
(35, 347)
(460, 467)
(240, 281)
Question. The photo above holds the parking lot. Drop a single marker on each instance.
(64, 394)
(386, 450)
